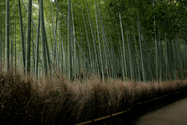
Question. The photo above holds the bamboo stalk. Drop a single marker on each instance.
(1, 48)
(141, 51)
(7, 36)
(123, 53)
(37, 46)
(69, 40)
(43, 36)
(98, 34)
(28, 47)
(96, 68)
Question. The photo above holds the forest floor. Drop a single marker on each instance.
(173, 114)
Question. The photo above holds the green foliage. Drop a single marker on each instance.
(170, 16)
(97, 40)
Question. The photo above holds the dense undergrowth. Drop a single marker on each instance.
(54, 100)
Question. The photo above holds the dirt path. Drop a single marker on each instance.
(173, 114)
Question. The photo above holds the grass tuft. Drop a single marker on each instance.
(55, 100)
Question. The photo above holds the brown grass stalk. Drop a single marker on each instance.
(55, 100)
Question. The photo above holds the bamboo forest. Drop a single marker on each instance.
(70, 61)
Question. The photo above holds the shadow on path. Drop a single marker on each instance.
(172, 114)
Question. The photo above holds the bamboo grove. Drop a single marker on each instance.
(75, 39)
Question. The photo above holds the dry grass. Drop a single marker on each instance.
(54, 100)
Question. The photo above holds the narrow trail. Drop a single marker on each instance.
(173, 114)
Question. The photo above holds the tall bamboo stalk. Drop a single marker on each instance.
(29, 13)
(54, 48)
(93, 39)
(166, 56)
(99, 41)
(69, 39)
(1, 49)
(7, 36)
(15, 48)
(37, 46)
(141, 51)
(47, 51)
(31, 17)
(107, 60)
(130, 55)
(123, 53)
(11, 44)
(136, 57)
(43, 37)
(74, 46)
(87, 41)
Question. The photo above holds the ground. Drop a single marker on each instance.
(173, 114)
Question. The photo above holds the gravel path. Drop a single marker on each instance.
(173, 114)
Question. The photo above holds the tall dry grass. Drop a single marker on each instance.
(54, 100)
